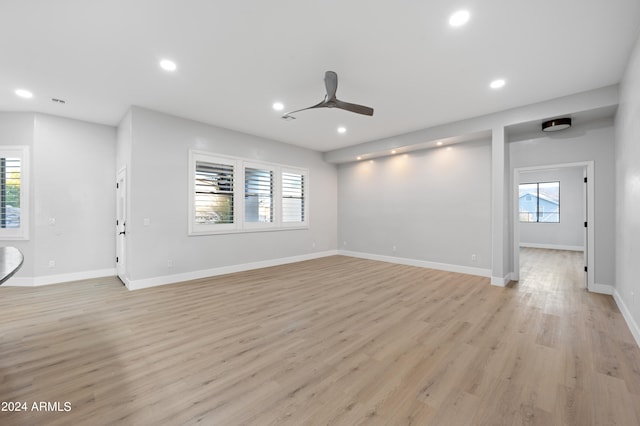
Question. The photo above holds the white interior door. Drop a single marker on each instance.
(121, 224)
(586, 230)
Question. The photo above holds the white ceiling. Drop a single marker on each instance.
(236, 58)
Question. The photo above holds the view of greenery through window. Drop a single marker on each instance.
(540, 202)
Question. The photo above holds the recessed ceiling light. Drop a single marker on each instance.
(342, 129)
(358, 158)
(393, 151)
(439, 143)
(278, 106)
(496, 84)
(459, 18)
(168, 65)
(24, 93)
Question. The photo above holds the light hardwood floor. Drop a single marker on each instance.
(336, 340)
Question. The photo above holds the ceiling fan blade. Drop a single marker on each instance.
(287, 115)
(359, 109)
(331, 84)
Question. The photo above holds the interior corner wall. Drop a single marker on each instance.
(430, 206)
(568, 233)
(589, 142)
(158, 195)
(71, 195)
(17, 128)
(73, 173)
(627, 219)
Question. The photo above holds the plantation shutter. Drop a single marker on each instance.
(214, 183)
(258, 195)
(293, 197)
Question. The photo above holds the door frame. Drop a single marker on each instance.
(590, 209)
(121, 207)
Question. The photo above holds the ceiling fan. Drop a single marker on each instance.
(330, 100)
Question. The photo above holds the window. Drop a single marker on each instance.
(14, 209)
(214, 193)
(234, 195)
(258, 195)
(540, 202)
(293, 208)
(213, 204)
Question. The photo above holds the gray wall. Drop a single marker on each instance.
(72, 181)
(569, 232)
(627, 230)
(158, 191)
(594, 141)
(432, 205)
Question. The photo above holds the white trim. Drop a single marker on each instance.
(59, 278)
(591, 263)
(420, 263)
(501, 281)
(18, 282)
(552, 246)
(206, 273)
(602, 289)
(626, 314)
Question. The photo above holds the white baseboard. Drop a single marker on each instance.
(601, 289)
(501, 281)
(552, 246)
(205, 273)
(420, 263)
(58, 278)
(626, 314)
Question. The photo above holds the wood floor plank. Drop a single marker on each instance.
(336, 340)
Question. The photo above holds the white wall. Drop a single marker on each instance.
(72, 171)
(73, 182)
(592, 141)
(627, 229)
(16, 128)
(432, 205)
(568, 234)
(158, 191)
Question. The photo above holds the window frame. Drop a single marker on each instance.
(305, 196)
(201, 228)
(274, 194)
(538, 212)
(240, 166)
(21, 152)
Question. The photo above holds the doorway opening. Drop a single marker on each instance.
(571, 230)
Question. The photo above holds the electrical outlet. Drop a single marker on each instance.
(344, 243)
(474, 258)
(52, 264)
(313, 244)
(169, 263)
(394, 248)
